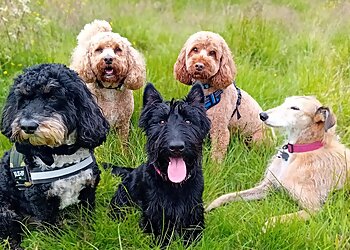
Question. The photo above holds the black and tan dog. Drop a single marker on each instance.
(169, 186)
(55, 124)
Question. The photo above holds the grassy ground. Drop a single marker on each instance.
(281, 48)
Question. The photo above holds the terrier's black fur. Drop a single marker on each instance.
(174, 129)
(43, 96)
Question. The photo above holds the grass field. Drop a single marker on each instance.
(281, 48)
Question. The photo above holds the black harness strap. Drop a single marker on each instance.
(238, 102)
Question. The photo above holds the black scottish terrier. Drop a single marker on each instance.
(55, 124)
(169, 187)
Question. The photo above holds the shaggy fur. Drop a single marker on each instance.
(112, 68)
(307, 176)
(175, 133)
(206, 57)
(53, 120)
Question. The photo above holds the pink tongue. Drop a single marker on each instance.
(176, 170)
(109, 71)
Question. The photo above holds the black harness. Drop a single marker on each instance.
(214, 98)
(25, 177)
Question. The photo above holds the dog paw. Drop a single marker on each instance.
(270, 223)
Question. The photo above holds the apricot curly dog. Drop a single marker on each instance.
(112, 68)
(206, 57)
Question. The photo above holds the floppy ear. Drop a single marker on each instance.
(80, 62)
(92, 126)
(8, 114)
(151, 95)
(196, 95)
(227, 70)
(180, 72)
(323, 114)
(136, 77)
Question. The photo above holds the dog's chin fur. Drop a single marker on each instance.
(51, 132)
(70, 126)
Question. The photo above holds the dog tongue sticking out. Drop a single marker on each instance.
(176, 170)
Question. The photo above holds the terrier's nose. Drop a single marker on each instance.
(176, 146)
(28, 125)
(108, 59)
(199, 66)
(263, 116)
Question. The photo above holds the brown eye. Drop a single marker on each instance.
(99, 50)
(116, 50)
(195, 49)
(212, 53)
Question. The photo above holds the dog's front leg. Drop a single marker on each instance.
(9, 224)
(271, 222)
(120, 200)
(256, 193)
(193, 231)
(220, 138)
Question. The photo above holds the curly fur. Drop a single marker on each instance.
(127, 70)
(66, 124)
(210, 50)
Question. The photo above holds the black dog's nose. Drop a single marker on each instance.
(28, 125)
(263, 116)
(176, 146)
(108, 59)
(199, 66)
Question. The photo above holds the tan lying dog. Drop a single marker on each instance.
(310, 165)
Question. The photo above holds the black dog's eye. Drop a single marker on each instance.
(195, 49)
(188, 121)
(294, 108)
(117, 49)
(162, 122)
(212, 53)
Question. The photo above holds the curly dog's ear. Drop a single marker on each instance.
(136, 77)
(81, 63)
(92, 126)
(227, 71)
(8, 112)
(180, 71)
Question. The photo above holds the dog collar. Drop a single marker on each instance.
(118, 87)
(25, 177)
(301, 148)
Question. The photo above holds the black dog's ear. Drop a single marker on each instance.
(8, 113)
(196, 95)
(151, 95)
(323, 114)
(92, 126)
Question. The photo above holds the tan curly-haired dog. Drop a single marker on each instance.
(311, 164)
(112, 68)
(206, 57)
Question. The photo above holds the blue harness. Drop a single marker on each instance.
(215, 97)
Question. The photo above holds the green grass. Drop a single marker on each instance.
(281, 48)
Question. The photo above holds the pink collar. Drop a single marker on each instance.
(301, 148)
(158, 171)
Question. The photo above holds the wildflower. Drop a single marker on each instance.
(5, 72)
